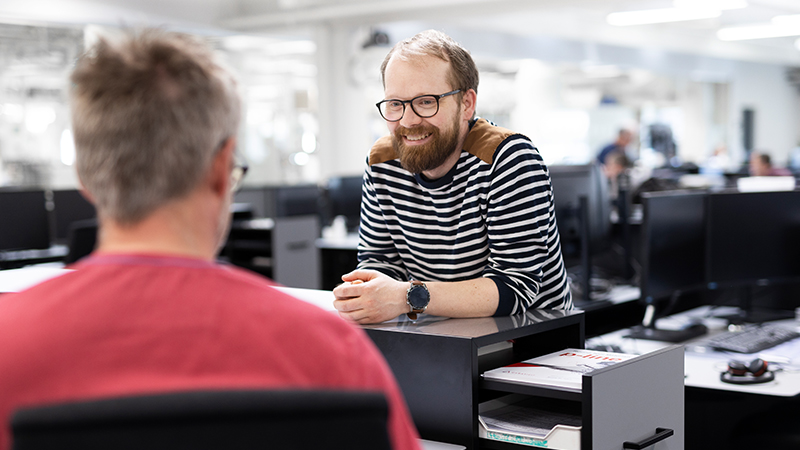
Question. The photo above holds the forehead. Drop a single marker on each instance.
(413, 75)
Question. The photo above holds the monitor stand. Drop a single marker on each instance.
(673, 336)
(649, 332)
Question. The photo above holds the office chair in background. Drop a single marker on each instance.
(81, 239)
(230, 420)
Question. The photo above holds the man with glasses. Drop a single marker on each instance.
(154, 117)
(457, 216)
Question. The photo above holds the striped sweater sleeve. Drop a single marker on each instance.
(376, 248)
(525, 258)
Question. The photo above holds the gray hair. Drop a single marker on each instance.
(149, 112)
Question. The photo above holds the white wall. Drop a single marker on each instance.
(765, 89)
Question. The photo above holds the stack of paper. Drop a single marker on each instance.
(562, 370)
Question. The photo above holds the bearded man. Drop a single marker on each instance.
(457, 216)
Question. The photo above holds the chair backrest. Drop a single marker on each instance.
(227, 420)
(82, 239)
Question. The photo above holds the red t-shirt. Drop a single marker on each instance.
(129, 324)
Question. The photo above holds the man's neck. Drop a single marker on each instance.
(442, 170)
(177, 229)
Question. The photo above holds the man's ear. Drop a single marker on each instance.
(219, 175)
(85, 192)
(468, 104)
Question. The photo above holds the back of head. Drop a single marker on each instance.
(463, 71)
(149, 111)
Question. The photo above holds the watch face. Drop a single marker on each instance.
(418, 297)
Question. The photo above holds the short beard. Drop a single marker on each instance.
(418, 159)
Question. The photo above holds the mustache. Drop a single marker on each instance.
(402, 131)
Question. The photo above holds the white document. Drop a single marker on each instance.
(562, 369)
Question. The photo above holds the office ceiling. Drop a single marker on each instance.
(577, 20)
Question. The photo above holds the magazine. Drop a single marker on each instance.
(563, 369)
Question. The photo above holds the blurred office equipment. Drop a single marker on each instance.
(570, 183)
(23, 223)
(81, 239)
(285, 419)
(673, 247)
(753, 240)
(583, 209)
(281, 201)
(69, 206)
(275, 232)
(343, 198)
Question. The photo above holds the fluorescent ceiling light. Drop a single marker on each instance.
(684, 10)
(787, 21)
(664, 15)
(715, 4)
(780, 26)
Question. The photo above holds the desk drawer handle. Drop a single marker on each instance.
(661, 434)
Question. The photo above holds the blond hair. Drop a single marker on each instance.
(463, 73)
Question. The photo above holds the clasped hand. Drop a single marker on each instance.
(369, 296)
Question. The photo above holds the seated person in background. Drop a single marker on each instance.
(761, 166)
(624, 138)
(155, 118)
(457, 215)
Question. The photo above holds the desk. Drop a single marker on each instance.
(338, 256)
(20, 258)
(703, 366)
(15, 280)
(722, 415)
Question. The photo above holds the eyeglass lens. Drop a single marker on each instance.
(424, 106)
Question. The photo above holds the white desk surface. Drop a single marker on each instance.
(323, 299)
(15, 280)
(703, 367)
(345, 242)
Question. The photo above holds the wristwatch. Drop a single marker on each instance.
(417, 298)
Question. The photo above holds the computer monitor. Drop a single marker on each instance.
(344, 199)
(673, 233)
(69, 206)
(673, 244)
(281, 201)
(256, 197)
(300, 200)
(570, 183)
(23, 224)
(753, 239)
(583, 229)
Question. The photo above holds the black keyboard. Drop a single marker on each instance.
(752, 339)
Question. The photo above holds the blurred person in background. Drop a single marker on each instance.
(761, 166)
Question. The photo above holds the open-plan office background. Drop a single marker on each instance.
(568, 73)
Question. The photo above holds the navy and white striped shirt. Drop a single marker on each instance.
(491, 216)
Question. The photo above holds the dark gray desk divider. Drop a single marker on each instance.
(438, 364)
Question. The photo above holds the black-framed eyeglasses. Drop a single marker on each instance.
(425, 106)
(238, 172)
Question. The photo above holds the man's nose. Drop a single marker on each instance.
(410, 118)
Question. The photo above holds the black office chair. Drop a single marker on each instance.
(81, 239)
(229, 420)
